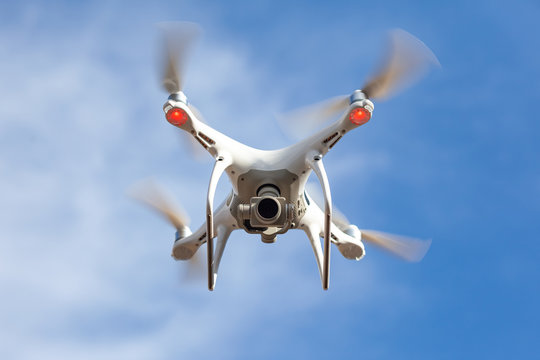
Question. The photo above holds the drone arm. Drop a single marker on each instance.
(325, 139)
(192, 122)
(222, 162)
(315, 161)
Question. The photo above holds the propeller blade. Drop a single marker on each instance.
(407, 248)
(407, 59)
(178, 39)
(157, 198)
(154, 196)
(306, 119)
(410, 249)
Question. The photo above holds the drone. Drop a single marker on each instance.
(269, 196)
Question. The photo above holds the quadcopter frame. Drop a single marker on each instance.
(268, 194)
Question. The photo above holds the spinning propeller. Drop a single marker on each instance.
(158, 199)
(406, 248)
(178, 40)
(407, 60)
(149, 193)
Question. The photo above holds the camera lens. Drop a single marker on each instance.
(268, 208)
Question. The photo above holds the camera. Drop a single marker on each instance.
(268, 209)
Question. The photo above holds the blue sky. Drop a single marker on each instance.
(85, 272)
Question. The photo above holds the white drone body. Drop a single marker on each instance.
(268, 194)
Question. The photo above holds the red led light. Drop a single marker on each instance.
(176, 116)
(359, 116)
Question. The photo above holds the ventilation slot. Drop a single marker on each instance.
(208, 140)
(325, 141)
